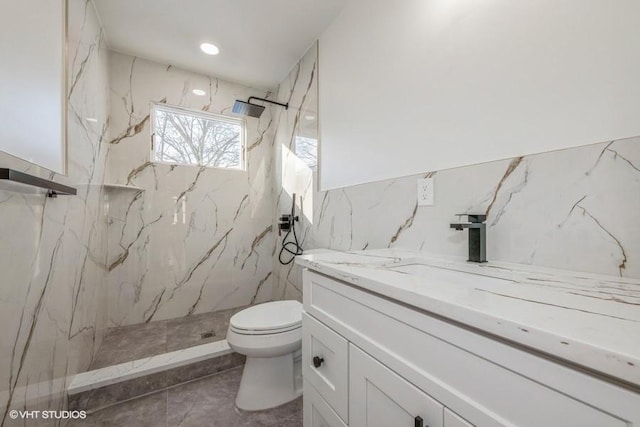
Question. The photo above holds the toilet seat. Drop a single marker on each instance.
(268, 318)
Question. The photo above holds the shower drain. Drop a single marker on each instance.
(208, 334)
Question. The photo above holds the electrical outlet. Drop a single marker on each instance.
(425, 192)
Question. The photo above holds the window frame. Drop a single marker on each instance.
(204, 115)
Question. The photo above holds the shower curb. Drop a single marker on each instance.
(93, 390)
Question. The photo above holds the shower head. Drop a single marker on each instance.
(247, 109)
(253, 110)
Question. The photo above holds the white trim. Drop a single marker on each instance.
(66, 73)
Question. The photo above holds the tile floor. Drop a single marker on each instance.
(204, 402)
(133, 342)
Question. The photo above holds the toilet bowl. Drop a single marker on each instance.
(270, 335)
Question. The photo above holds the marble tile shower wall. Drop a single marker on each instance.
(53, 251)
(291, 175)
(574, 209)
(197, 239)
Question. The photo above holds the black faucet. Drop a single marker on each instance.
(477, 236)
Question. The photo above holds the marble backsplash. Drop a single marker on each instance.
(573, 209)
(196, 239)
(53, 261)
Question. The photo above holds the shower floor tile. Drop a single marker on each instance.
(132, 342)
(208, 401)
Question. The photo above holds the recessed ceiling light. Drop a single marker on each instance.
(91, 119)
(309, 117)
(199, 92)
(209, 49)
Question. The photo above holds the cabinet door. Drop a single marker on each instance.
(378, 397)
(325, 363)
(453, 420)
(317, 412)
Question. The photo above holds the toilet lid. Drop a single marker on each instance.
(269, 316)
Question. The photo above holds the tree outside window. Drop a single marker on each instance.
(196, 138)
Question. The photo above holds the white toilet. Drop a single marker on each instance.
(270, 335)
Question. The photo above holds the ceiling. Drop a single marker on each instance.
(259, 40)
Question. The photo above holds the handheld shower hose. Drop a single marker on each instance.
(289, 248)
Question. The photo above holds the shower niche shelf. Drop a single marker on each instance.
(122, 187)
(23, 182)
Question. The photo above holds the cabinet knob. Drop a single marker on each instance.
(419, 422)
(317, 361)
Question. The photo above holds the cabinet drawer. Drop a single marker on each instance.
(317, 412)
(485, 381)
(378, 397)
(325, 363)
(452, 420)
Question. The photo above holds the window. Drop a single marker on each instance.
(187, 137)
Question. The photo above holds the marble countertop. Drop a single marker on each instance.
(586, 319)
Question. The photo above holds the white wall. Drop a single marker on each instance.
(457, 82)
(572, 209)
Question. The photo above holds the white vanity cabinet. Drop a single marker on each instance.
(453, 420)
(326, 367)
(389, 364)
(378, 397)
(317, 412)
